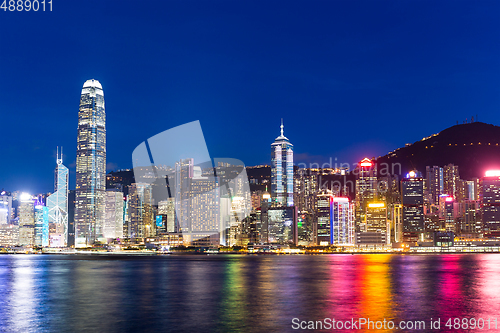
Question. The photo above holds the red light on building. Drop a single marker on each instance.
(366, 162)
(448, 199)
(492, 173)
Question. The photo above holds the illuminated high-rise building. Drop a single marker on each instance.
(490, 201)
(342, 221)
(141, 222)
(366, 190)
(398, 222)
(435, 183)
(323, 218)
(26, 220)
(412, 198)
(113, 222)
(376, 221)
(5, 207)
(282, 171)
(41, 224)
(90, 166)
(451, 180)
(57, 204)
(449, 214)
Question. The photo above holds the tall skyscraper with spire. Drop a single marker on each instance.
(282, 215)
(90, 166)
(57, 204)
(282, 171)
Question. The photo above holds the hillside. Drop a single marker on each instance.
(474, 147)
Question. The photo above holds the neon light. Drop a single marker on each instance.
(492, 173)
(376, 205)
(340, 199)
(366, 162)
(449, 199)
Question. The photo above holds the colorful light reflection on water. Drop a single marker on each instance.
(232, 293)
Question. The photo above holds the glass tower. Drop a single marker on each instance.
(282, 171)
(90, 166)
(57, 204)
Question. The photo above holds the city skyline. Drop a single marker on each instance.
(360, 71)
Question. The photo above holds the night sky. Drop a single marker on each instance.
(350, 78)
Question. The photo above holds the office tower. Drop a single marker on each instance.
(140, 210)
(377, 227)
(204, 199)
(366, 190)
(5, 207)
(90, 166)
(412, 198)
(41, 224)
(282, 226)
(9, 235)
(26, 220)
(490, 201)
(342, 221)
(451, 181)
(449, 214)
(282, 171)
(323, 218)
(435, 183)
(306, 189)
(113, 221)
(71, 219)
(398, 222)
(264, 218)
(57, 204)
(184, 171)
(471, 189)
(471, 224)
(166, 209)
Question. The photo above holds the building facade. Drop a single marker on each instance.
(57, 204)
(90, 166)
(282, 172)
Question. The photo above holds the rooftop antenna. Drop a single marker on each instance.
(59, 158)
(282, 126)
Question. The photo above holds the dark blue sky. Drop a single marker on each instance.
(350, 78)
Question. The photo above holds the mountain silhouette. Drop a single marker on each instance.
(474, 147)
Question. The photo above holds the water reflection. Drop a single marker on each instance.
(241, 293)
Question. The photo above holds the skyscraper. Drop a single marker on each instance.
(113, 223)
(490, 201)
(26, 220)
(412, 192)
(90, 166)
(366, 190)
(342, 221)
(282, 216)
(282, 171)
(140, 210)
(57, 204)
(435, 183)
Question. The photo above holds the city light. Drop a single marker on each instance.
(366, 162)
(25, 196)
(376, 205)
(492, 173)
